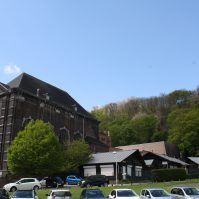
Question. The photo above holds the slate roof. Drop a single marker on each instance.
(194, 159)
(175, 160)
(30, 84)
(110, 157)
(166, 158)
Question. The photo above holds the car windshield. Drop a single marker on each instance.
(62, 193)
(125, 193)
(191, 191)
(159, 193)
(94, 194)
(23, 194)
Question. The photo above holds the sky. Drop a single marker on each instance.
(102, 51)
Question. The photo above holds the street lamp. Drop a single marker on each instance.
(115, 153)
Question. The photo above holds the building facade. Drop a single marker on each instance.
(26, 98)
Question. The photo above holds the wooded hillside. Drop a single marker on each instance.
(173, 118)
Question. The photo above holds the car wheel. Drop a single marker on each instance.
(13, 189)
(88, 185)
(35, 188)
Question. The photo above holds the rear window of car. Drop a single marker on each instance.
(62, 193)
(23, 194)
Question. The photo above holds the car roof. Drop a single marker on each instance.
(55, 190)
(150, 189)
(122, 189)
(182, 187)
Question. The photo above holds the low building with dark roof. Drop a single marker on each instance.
(26, 98)
(130, 165)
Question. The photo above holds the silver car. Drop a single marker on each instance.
(184, 193)
(154, 193)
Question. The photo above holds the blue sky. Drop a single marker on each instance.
(102, 51)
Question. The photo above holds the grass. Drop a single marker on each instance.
(76, 191)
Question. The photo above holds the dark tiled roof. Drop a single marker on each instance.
(31, 84)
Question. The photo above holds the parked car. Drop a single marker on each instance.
(154, 193)
(59, 194)
(54, 182)
(24, 194)
(43, 181)
(92, 194)
(95, 180)
(4, 194)
(184, 193)
(123, 194)
(72, 179)
(23, 184)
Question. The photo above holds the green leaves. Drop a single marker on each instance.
(35, 151)
(77, 153)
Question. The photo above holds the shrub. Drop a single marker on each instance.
(161, 175)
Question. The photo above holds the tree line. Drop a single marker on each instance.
(173, 118)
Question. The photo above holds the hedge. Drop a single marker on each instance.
(161, 175)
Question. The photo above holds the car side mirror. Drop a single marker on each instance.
(148, 196)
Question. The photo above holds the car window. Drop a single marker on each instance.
(174, 191)
(159, 193)
(23, 194)
(113, 193)
(147, 193)
(191, 191)
(62, 193)
(94, 194)
(125, 193)
(180, 192)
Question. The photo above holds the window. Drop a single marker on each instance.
(138, 171)
(1, 120)
(107, 170)
(1, 137)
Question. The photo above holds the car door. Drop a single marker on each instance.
(22, 184)
(30, 183)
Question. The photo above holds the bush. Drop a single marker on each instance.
(192, 176)
(161, 175)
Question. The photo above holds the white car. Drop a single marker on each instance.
(154, 193)
(59, 194)
(24, 194)
(185, 193)
(123, 194)
(23, 184)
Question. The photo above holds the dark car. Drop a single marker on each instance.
(54, 182)
(4, 194)
(95, 180)
(21, 194)
(92, 194)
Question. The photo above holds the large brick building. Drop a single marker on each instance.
(26, 98)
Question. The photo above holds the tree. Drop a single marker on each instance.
(35, 151)
(145, 125)
(184, 130)
(77, 153)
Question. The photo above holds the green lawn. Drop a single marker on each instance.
(136, 187)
